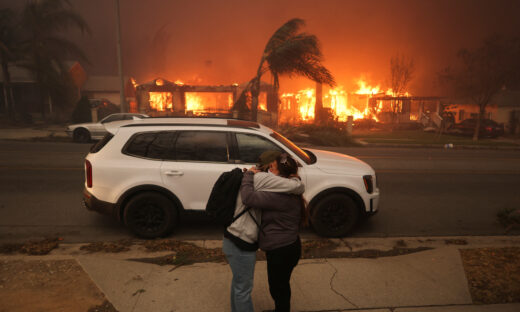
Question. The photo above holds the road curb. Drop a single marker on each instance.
(136, 249)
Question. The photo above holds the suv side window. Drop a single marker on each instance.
(156, 145)
(202, 146)
(250, 147)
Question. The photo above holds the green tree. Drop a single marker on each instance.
(289, 52)
(46, 51)
(482, 73)
(8, 54)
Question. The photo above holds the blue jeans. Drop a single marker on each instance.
(242, 265)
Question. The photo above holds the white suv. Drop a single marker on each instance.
(145, 172)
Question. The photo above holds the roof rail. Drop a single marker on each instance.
(252, 126)
(242, 123)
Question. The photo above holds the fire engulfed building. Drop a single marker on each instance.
(300, 107)
(161, 97)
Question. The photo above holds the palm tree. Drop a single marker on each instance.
(46, 50)
(289, 52)
(8, 47)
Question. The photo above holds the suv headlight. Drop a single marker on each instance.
(369, 183)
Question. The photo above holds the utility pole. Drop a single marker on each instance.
(120, 61)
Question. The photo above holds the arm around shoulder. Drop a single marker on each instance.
(265, 181)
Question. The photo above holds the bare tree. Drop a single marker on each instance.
(482, 73)
(401, 70)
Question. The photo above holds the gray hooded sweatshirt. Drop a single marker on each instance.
(245, 227)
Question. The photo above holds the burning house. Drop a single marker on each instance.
(365, 103)
(161, 97)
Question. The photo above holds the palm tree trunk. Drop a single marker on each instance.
(255, 91)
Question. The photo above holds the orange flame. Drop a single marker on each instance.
(194, 103)
(307, 100)
(161, 101)
(364, 89)
(340, 103)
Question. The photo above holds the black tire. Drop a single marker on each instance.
(150, 215)
(335, 215)
(81, 135)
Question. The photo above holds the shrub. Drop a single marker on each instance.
(82, 112)
(318, 135)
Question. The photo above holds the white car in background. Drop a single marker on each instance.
(146, 172)
(85, 132)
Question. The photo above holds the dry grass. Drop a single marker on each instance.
(112, 247)
(493, 274)
(41, 247)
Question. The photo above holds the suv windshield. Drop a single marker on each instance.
(293, 147)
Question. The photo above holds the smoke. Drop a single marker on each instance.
(221, 41)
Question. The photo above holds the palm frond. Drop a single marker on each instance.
(66, 19)
(286, 31)
(47, 16)
(65, 47)
(301, 55)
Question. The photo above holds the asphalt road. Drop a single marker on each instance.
(425, 192)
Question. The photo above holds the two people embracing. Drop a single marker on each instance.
(269, 211)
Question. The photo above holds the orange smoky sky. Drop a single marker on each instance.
(221, 41)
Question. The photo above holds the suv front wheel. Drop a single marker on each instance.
(335, 215)
(150, 215)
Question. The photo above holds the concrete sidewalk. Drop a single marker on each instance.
(427, 281)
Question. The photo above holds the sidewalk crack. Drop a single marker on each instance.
(332, 287)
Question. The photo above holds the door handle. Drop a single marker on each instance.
(174, 173)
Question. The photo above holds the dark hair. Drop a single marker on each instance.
(288, 166)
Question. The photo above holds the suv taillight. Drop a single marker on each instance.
(88, 173)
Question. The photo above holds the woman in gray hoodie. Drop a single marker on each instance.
(282, 216)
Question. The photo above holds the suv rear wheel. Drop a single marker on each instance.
(150, 215)
(335, 215)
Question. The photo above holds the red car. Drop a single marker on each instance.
(488, 128)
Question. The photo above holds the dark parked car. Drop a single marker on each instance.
(488, 128)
